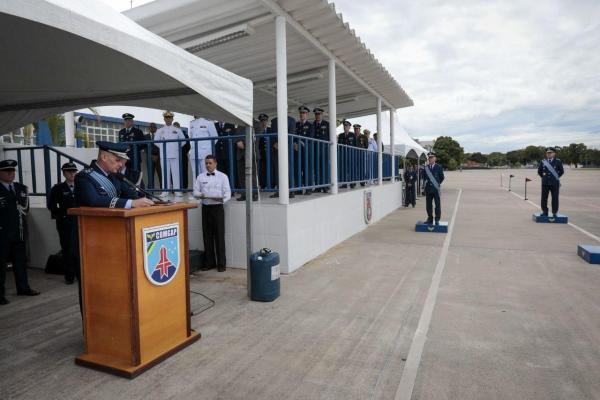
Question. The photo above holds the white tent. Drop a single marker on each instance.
(404, 144)
(61, 55)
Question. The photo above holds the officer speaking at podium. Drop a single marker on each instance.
(100, 186)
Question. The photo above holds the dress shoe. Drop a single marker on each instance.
(69, 281)
(429, 221)
(254, 197)
(545, 214)
(292, 195)
(274, 195)
(3, 301)
(205, 268)
(241, 198)
(221, 269)
(437, 221)
(308, 192)
(27, 292)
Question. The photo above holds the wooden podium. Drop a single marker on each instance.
(136, 310)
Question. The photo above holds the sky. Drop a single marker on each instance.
(494, 75)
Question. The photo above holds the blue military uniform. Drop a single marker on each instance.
(321, 129)
(431, 193)
(59, 200)
(304, 154)
(344, 156)
(94, 188)
(134, 176)
(14, 207)
(132, 134)
(549, 182)
(222, 147)
(410, 179)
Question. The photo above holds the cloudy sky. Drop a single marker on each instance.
(495, 75)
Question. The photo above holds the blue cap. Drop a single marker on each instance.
(303, 109)
(69, 166)
(8, 165)
(118, 149)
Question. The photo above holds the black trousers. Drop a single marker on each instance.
(63, 226)
(430, 198)
(213, 234)
(410, 195)
(13, 250)
(553, 189)
(240, 175)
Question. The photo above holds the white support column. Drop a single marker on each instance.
(333, 127)
(392, 129)
(282, 109)
(379, 153)
(69, 129)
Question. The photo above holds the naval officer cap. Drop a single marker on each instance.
(128, 116)
(69, 166)
(8, 165)
(318, 110)
(346, 122)
(356, 125)
(431, 154)
(263, 117)
(118, 149)
(303, 109)
(168, 114)
(550, 150)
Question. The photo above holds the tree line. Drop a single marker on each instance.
(451, 155)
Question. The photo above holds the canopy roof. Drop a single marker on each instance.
(406, 146)
(63, 55)
(239, 35)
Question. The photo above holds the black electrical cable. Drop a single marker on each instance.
(212, 304)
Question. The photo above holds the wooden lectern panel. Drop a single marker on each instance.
(107, 282)
(161, 306)
(136, 308)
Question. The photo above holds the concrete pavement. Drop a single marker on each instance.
(516, 315)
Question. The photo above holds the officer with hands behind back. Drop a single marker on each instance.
(60, 199)
(14, 206)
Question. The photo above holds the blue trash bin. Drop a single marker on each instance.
(264, 275)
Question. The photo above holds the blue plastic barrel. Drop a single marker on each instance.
(264, 275)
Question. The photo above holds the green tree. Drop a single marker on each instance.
(478, 158)
(446, 149)
(515, 157)
(496, 159)
(533, 153)
(575, 153)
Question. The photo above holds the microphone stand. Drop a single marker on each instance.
(138, 189)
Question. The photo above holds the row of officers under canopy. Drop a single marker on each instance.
(169, 159)
(108, 182)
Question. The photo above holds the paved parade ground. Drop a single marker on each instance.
(498, 308)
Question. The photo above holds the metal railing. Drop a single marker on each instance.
(29, 155)
(309, 163)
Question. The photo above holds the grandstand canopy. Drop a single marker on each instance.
(239, 35)
(62, 55)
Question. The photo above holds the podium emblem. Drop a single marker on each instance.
(161, 253)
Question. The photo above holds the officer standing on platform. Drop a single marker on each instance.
(265, 145)
(14, 206)
(321, 129)
(213, 188)
(306, 129)
(131, 134)
(349, 139)
(170, 160)
(550, 170)
(224, 129)
(433, 176)
(60, 199)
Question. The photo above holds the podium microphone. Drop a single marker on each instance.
(138, 189)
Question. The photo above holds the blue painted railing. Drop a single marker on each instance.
(30, 155)
(309, 163)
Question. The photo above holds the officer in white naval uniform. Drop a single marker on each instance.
(201, 128)
(170, 160)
